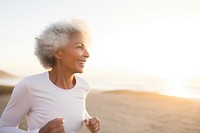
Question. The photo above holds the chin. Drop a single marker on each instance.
(79, 71)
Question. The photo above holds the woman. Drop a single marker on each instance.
(54, 101)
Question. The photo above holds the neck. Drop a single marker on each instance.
(62, 79)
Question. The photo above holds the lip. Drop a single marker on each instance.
(82, 62)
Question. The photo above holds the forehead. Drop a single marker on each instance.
(77, 37)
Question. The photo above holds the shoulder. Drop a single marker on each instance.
(24, 86)
(32, 80)
(35, 79)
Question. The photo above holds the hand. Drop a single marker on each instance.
(93, 124)
(53, 126)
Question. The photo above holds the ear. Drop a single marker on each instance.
(57, 54)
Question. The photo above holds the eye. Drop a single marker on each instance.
(80, 46)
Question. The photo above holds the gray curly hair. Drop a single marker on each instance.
(55, 37)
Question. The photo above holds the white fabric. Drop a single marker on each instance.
(37, 98)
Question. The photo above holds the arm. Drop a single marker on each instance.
(93, 124)
(18, 106)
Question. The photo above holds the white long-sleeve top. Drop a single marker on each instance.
(37, 98)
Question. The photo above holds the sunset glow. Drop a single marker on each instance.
(130, 39)
(165, 48)
(179, 88)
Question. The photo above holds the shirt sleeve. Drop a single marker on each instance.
(18, 106)
(87, 116)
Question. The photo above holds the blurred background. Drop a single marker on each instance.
(142, 45)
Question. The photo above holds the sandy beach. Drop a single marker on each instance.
(139, 112)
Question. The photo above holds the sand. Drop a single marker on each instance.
(140, 112)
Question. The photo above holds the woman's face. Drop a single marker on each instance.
(72, 57)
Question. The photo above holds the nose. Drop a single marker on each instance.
(86, 53)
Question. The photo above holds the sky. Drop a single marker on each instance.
(130, 37)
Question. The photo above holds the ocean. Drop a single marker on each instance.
(189, 88)
(178, 88)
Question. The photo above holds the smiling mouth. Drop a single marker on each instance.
(82, 62)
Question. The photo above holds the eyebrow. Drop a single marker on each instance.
(82, 44)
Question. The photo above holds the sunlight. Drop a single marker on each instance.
(172, 49)
(179, 88)
(164, 48)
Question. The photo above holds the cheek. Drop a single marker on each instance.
(72, 56)
(75, 54)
